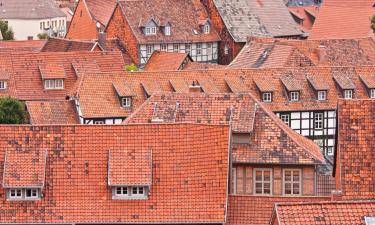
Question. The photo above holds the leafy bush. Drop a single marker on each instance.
(12, 111)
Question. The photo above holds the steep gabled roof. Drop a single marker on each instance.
(68, 45)
(22, 46)
(162, 61)
(101, 10)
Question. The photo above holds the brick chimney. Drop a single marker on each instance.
(194, 88)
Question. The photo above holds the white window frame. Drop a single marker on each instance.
(167, 30)
(150, 31)
(176, 47)
(34, 193)
(3, 85)
(149, 50)
(372, 93)
(262, 181)
(226, 49)
(132, 192)
(163, 47)
(206, 29)
(54, 84)
(188, 48)
(209, 48)
(285, 118)
(322, 95)
(318, 120)
(267, 96)
(99, 122)
(348, 94)
(199, 49)
(294, 96)
(126, 102)
(292, 182)
(14, 197)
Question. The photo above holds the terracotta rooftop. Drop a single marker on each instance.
(253, 18)
(101, 10)
(68, 45)
(357, 23)
(162, 61)
(52, 112)
(257, 210)
(139, 13)
(305, 15)
(268, 134)
(22, 46)
(354, 167)
(345, 213)
(184, 188)
(41, 9)
(268, 53)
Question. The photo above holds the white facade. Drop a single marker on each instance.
(27, 28)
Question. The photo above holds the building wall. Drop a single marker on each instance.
(82, 26)
(226, 39)
(31, 28)
(243, 178)
(119, 28)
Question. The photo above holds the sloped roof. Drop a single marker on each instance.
(245, 115)
(331, 25)
(76, 189)
(257, 210)
(345, 212)
(67, 45)
(21, 46)
(161, 61)
(29, 9)
(52, 112)
(263, 18)
(101, 10)
(354, 163)
(181, 14)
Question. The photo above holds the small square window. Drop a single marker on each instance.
(292, 182)
(372, 93)
(3, 85)
(167, 30)
(318, 120)
(285, 118)
(267, 97)
(126, 102)
(294, 96)
(263, 181)
(348, 94)
(15, 193)
(31, 193)
(163, 47)
(322, 95)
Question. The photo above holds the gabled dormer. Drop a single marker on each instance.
(150, 28)
(346, 85)
(53, 76)
(266, 89)
(319, 86)
(369, 81)
(167, 29)
(4, 78)
(125, 95)
(205, 26)
(130, 173)
(24, 173)
(293, 88)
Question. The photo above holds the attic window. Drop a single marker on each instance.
(23, 194)
(150, 30)
(167, 30)
(294, 96)
(206, 29)
(348, 94)
(54, 84)
(130, 192)
(322, 95)
(3, 85)
(267, 96)
(372, 93)
(126, 102)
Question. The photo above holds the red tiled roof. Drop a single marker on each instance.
(245, 114)
(343, 78)
(68, 45)
(345, 213)
(306, 16)
(183, 18)
(257, 210)
(101, 10)
(161, 61)
(290, 83)
(52, 112)
(21, 46)
(203, 66)
(368, 79)
(330, 23)
(355, 168)
(24, 166)
(189, 176)
(123, 90)
(52, 71)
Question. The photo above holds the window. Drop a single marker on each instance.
(31, 193)
(372, 93)
(226, 49)
(292, 182)
(188, 48)
(206, 29)
(285, 118)
(23, 194)
(348, 94)
(267, 97)
(318, 120)
(167, 30)
(41, 26)
(15, 193)
(3, 85)
(54, 84)
(99, 122)
(129, 192)
(199, 49)
(126, 102)
(294, 96)
(176, 47)
(322, 95)
(263, 181)
(44, 25)
(369, 220)
(163, 47)
(209, 48)
(150, 30)
(149, 49)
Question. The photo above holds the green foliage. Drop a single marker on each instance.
(373, 23)
(42, 36)
(131, 68)
(12, 111)
(6, 31)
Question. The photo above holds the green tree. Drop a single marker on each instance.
(42, 36)
(131, 68)
(12, 111)
(6, 31)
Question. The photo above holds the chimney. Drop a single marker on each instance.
(336, 195)
(321, 51)
(102, 39)
(194, 88)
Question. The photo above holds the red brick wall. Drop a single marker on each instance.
(226, 38)
(119, 28)
(82, 26)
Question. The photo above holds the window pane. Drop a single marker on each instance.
(258, 175)
(288, 189)
(140, 190)
(296, 189)
(267, 175)
(287, 176)
(296, 176)
(258, 188)
(135, 191)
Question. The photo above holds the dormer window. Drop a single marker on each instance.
(206, 28)
(267, 96)
(54, 84)
(130, 192)
(348, 94)
(322, 95)
(167, 30)
(3, 85)
(150, 31)
(126, 102)
(294, 96)
(23, 194)
(372, 93)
